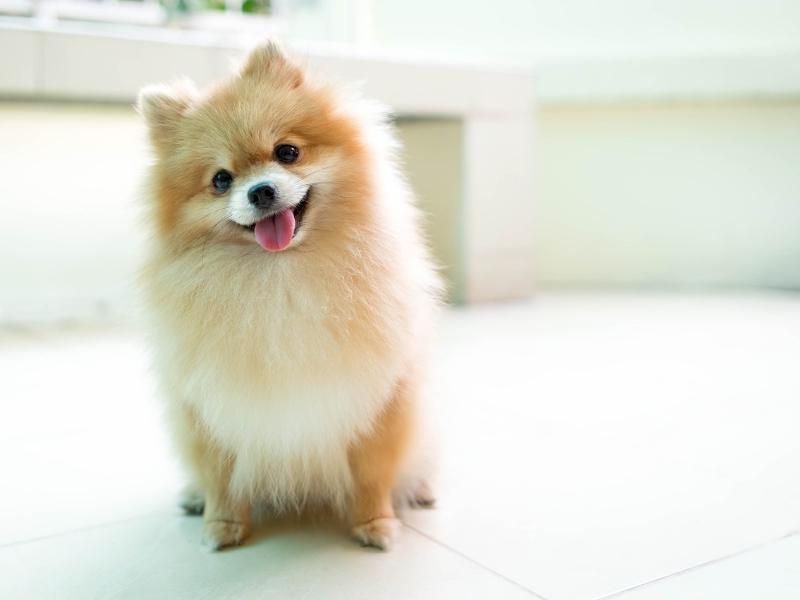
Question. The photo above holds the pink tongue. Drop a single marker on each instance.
(276, 232)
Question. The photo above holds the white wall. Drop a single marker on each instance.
(628, 194)
(433, 162)
(546, 30)
(71, 230)
(666, 195)
(654, 193)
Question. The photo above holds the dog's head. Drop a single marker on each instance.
(266, 157)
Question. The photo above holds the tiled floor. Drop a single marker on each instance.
(645, 447)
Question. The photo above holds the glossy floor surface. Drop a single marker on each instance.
(640, 447)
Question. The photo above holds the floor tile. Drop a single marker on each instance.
(160, 557)
(85, 445)
(589, 444)
(592, 449)
(771, 572)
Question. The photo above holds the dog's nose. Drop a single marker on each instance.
(262, 195)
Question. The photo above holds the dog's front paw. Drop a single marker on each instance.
(222, 534)
(379, 533)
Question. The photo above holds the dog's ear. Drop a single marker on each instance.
(269, 60)
(162, 107)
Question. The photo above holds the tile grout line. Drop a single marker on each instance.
(475, 562)
(48, 536)
(700, 565)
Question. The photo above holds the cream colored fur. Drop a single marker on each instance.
(281, 363)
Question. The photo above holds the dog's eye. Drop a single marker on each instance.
(222, 181)
(287, 154)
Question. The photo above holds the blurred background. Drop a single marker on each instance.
(647, 144)
(613, 192)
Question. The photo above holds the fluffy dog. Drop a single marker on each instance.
(291, 299)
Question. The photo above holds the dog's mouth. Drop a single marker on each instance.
(275, 232)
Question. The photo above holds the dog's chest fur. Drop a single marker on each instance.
(284, 365)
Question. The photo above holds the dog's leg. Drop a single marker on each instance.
(374, 462)
(226, 520)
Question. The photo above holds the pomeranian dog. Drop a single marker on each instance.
(291, 299)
